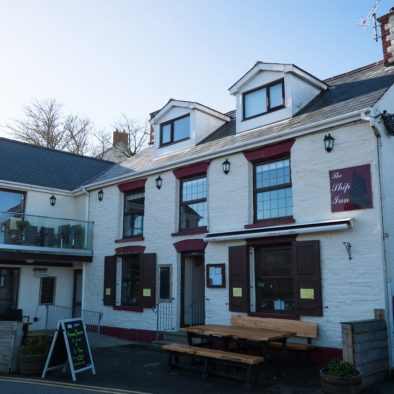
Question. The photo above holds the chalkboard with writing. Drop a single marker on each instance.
(70, 346)
(77, 343)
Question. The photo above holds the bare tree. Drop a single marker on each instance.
(103, 143)
(137, 136)
(44, 124)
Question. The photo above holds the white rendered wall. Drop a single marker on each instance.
(352, 289)
(385, 144)
(29, 292)
(66, 207)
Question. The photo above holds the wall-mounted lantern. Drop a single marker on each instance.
(100, 195)
(329, 142)
(226, 166)
(52, 200)
(159, 182)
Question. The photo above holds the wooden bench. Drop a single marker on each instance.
(207, 354)
(305, 330)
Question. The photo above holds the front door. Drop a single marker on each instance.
(9, 283)
(192, 290)
(77, 293)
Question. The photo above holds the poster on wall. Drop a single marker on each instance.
(351, 188)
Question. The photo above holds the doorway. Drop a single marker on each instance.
(9, 285)
(77, 293)
(192, 289)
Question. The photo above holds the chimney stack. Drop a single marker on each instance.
(120, 137)
(387, 29)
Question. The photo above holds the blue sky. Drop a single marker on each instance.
(102, 58)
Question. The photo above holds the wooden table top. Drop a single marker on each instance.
(246, 333)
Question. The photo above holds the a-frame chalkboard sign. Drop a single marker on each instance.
(70, 346)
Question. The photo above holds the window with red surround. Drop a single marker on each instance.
(192, 170)
(129, 239)
(269, 152)
(132, 185)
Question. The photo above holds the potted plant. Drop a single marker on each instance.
(340, 377)
(32, 355)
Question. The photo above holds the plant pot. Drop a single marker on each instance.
(31, 364)
(340, 385)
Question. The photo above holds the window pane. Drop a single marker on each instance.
(166, 134)
(165, 283)
(272, 174)
(133, 219)
(182, 128)
(276, 98)
(194, 189)
(274, 262)
(274, 283)
(255, 103)
(11, 201)
(274, 295)
(275, 203)
(130, 293)
(194, 215)
(47, 291)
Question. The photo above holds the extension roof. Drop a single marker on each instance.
(352, 91)
(35, 165)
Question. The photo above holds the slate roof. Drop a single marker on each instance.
(36, 165)
(354, 90)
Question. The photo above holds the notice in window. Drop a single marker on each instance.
(237, 292)
(146, 292)
(307, 294)
(351, 188)
(108, 291)
(215, 276)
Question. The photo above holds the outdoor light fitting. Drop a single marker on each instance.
(52, 200)
(159, 181)
(226, 166)
(100, 195)
(348, 247)
(329, 142)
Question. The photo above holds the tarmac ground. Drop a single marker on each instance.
(137, 368)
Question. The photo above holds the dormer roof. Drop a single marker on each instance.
(279, 67)
(157, 115)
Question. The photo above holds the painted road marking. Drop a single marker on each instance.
(74, 386)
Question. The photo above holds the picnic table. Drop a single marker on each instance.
(256, 338)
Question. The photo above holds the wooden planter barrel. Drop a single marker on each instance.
(31, 364)
(340, 385)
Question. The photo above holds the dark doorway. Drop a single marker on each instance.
(9, 285)
(77, 293)
(192, 289)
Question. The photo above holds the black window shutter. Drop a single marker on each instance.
(307, 278)
(238, 279)
(148, 280)
(109, 280)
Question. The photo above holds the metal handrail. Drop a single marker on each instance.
(164, 316)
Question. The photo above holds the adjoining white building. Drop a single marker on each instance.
(280, 208)
(45, 235)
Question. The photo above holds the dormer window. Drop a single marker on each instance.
(263, 99)
(175, 130)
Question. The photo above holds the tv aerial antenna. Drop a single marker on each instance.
(365, 22)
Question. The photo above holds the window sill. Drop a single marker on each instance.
(191, 231)
(274, 315)
(130, 308)
(271, 222)
(129, 239)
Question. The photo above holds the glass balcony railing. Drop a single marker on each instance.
(35, 232)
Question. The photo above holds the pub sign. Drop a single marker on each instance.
(351, 188)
